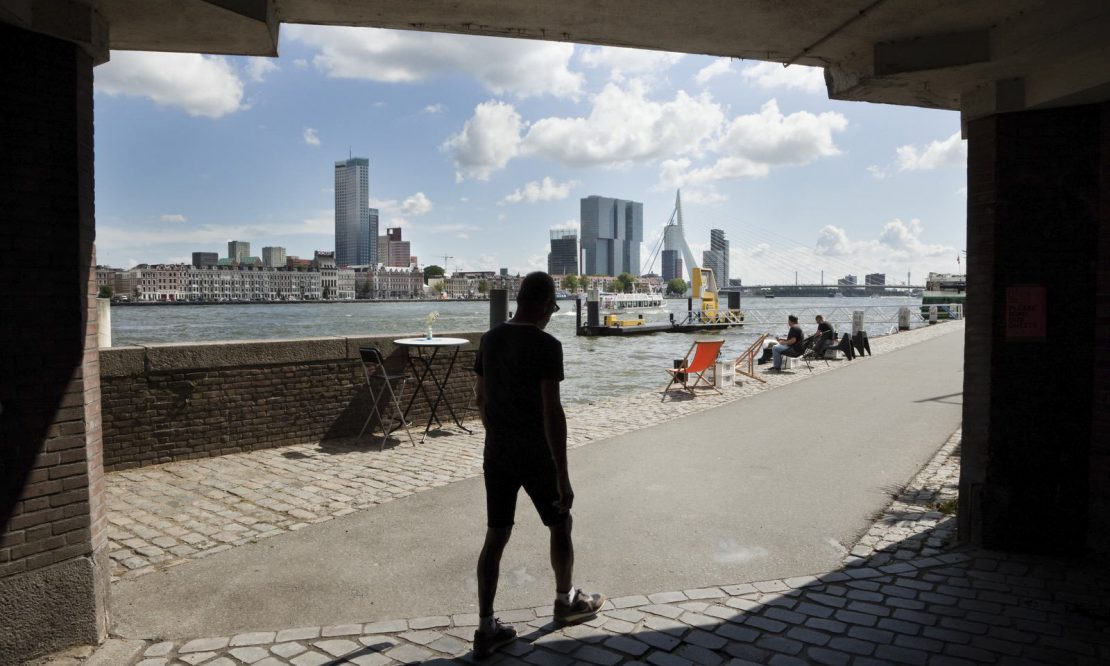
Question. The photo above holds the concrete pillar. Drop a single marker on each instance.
(53, 546)
(857, 322)
(1036, 439)
(933, 314)
(904, 319)
(103, 323)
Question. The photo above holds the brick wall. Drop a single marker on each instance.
(1032, 408)
(177, 402)
(53, 581)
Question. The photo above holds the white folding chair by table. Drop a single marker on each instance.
(373, 367)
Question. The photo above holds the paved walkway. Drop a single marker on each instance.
(171, 514)
(956, 607)
(780, 484)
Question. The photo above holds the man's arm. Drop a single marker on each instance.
(480, 399)
(555, 430)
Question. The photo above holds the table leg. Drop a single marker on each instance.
(442, 386)
(420, 387)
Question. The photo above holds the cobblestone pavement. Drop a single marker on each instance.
(921, 520)
(954, 608)
(170, 514)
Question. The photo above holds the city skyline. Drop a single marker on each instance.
(468, 160)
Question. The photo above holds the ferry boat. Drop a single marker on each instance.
(636, 301)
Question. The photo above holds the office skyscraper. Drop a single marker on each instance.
(238, 251)
(563, 258)
(273, 257)
(355, 239)
(612, 230)
(716, 257)
(672, 265)
(400, 252)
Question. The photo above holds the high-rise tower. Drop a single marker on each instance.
(612, 230)
(356, 238)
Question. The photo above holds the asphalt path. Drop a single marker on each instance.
(771, 486)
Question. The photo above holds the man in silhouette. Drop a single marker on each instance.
(519, 367)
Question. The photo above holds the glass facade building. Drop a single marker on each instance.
(611, 232)
(356, 240)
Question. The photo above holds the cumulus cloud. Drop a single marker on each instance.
(417, 204)
(311, 137)
(718, 67)
(545, 190)
(950, 152)
(433, 109)
(199, 85)
(624, 126)
(174, 217)
(752, 144)
(621, 61)
(898, 247)
(258, 68)
(772, 75)
(488, 140)
(519, 67)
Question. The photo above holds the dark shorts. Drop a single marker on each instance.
(503, 484)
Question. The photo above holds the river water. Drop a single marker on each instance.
(595, 367)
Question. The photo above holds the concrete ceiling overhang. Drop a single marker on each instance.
(977, 56)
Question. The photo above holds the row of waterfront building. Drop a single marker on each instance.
(320, 279)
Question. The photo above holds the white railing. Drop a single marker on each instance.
(874, 316)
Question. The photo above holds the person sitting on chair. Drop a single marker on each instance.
(826, 336)
(791, 344)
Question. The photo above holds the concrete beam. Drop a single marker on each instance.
(74, 21)
(232, 27)
(932, 52)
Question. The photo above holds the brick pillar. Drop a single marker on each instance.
(1035, 471)
(53, 573)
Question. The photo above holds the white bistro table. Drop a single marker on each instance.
(426, 350)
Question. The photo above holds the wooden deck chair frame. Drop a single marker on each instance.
(385, 380)
(745, 363)
(699, 366)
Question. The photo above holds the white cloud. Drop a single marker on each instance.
(394, 213)
(705, 197)
(488, 140)
(300, 63)
(520, 67)
(321, 223)
(772, 75)
(622, 61)
(752, 144)
(950, 152)
(432, 109)
(258, 68)
(199, 85)
(417, 204)
(545, 190)
(624, 126)
(718, 67)
(899, 247)
(311, 137)
(174, 217)
(571, 224)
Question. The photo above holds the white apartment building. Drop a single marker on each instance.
(389, 282)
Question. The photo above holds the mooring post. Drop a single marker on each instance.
(903, 319)
(498, 306)
(932, 314)
(857, 322)
(577, 315)
(593, 308)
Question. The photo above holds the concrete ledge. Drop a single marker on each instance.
(122, 361)
(206, 355)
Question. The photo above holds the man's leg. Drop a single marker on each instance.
(562, 555)
(776, 353)
(489, 567)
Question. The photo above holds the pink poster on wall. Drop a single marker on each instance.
(1025, 312)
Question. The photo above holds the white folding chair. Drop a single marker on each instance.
(385, 380)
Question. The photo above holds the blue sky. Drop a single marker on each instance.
(478, 146)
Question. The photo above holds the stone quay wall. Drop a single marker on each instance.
(168, 402)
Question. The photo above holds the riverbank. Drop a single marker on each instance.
(166, 515)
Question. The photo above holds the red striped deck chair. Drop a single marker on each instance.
(704, 354)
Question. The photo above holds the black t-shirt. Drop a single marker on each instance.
(513, 358)
(799, 338)
(824, 326)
